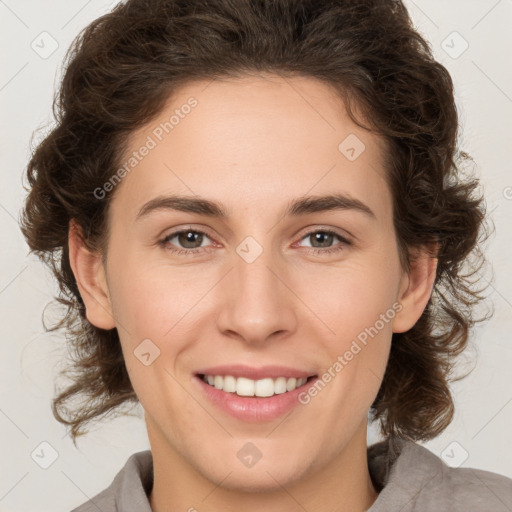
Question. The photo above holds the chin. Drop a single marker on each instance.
(248, 481)
(264, 476)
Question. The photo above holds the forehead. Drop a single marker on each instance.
(252, 139)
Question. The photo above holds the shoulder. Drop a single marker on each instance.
(415, 479)
(128, 491)
(475, 489)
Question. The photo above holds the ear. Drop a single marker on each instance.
(90, 277)
(416, 287)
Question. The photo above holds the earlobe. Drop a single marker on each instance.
(416, 288)
(89, 273)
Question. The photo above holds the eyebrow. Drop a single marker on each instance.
(295, 208)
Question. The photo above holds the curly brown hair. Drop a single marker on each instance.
(121, 70)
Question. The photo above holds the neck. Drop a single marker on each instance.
(343, 484)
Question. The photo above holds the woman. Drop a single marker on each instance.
(254, 214)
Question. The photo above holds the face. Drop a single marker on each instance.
(315, 288)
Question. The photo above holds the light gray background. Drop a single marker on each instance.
(481, 430)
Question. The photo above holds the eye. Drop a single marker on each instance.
(325, 237)
(190, 241)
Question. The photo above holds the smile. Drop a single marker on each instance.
(242, 386)
(253, 401)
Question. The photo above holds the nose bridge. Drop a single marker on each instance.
(258, 304)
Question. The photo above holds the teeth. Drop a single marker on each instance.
(248, 387)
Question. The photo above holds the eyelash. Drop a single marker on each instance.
(191, 252)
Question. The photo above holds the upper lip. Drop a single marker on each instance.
(240, 370)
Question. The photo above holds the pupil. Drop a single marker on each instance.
(189, 238)
(318, 237)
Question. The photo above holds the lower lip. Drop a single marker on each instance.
(254, 409)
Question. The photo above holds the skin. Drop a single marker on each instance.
(254, 144)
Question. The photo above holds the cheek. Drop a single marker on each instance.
(150, 300)
(353, 297)
(358, 303)
(160, 310)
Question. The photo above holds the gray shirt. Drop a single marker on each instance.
(408, 476)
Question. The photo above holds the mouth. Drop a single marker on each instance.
(251, 388)
(254, 401)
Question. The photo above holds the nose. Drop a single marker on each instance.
(257, 303)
